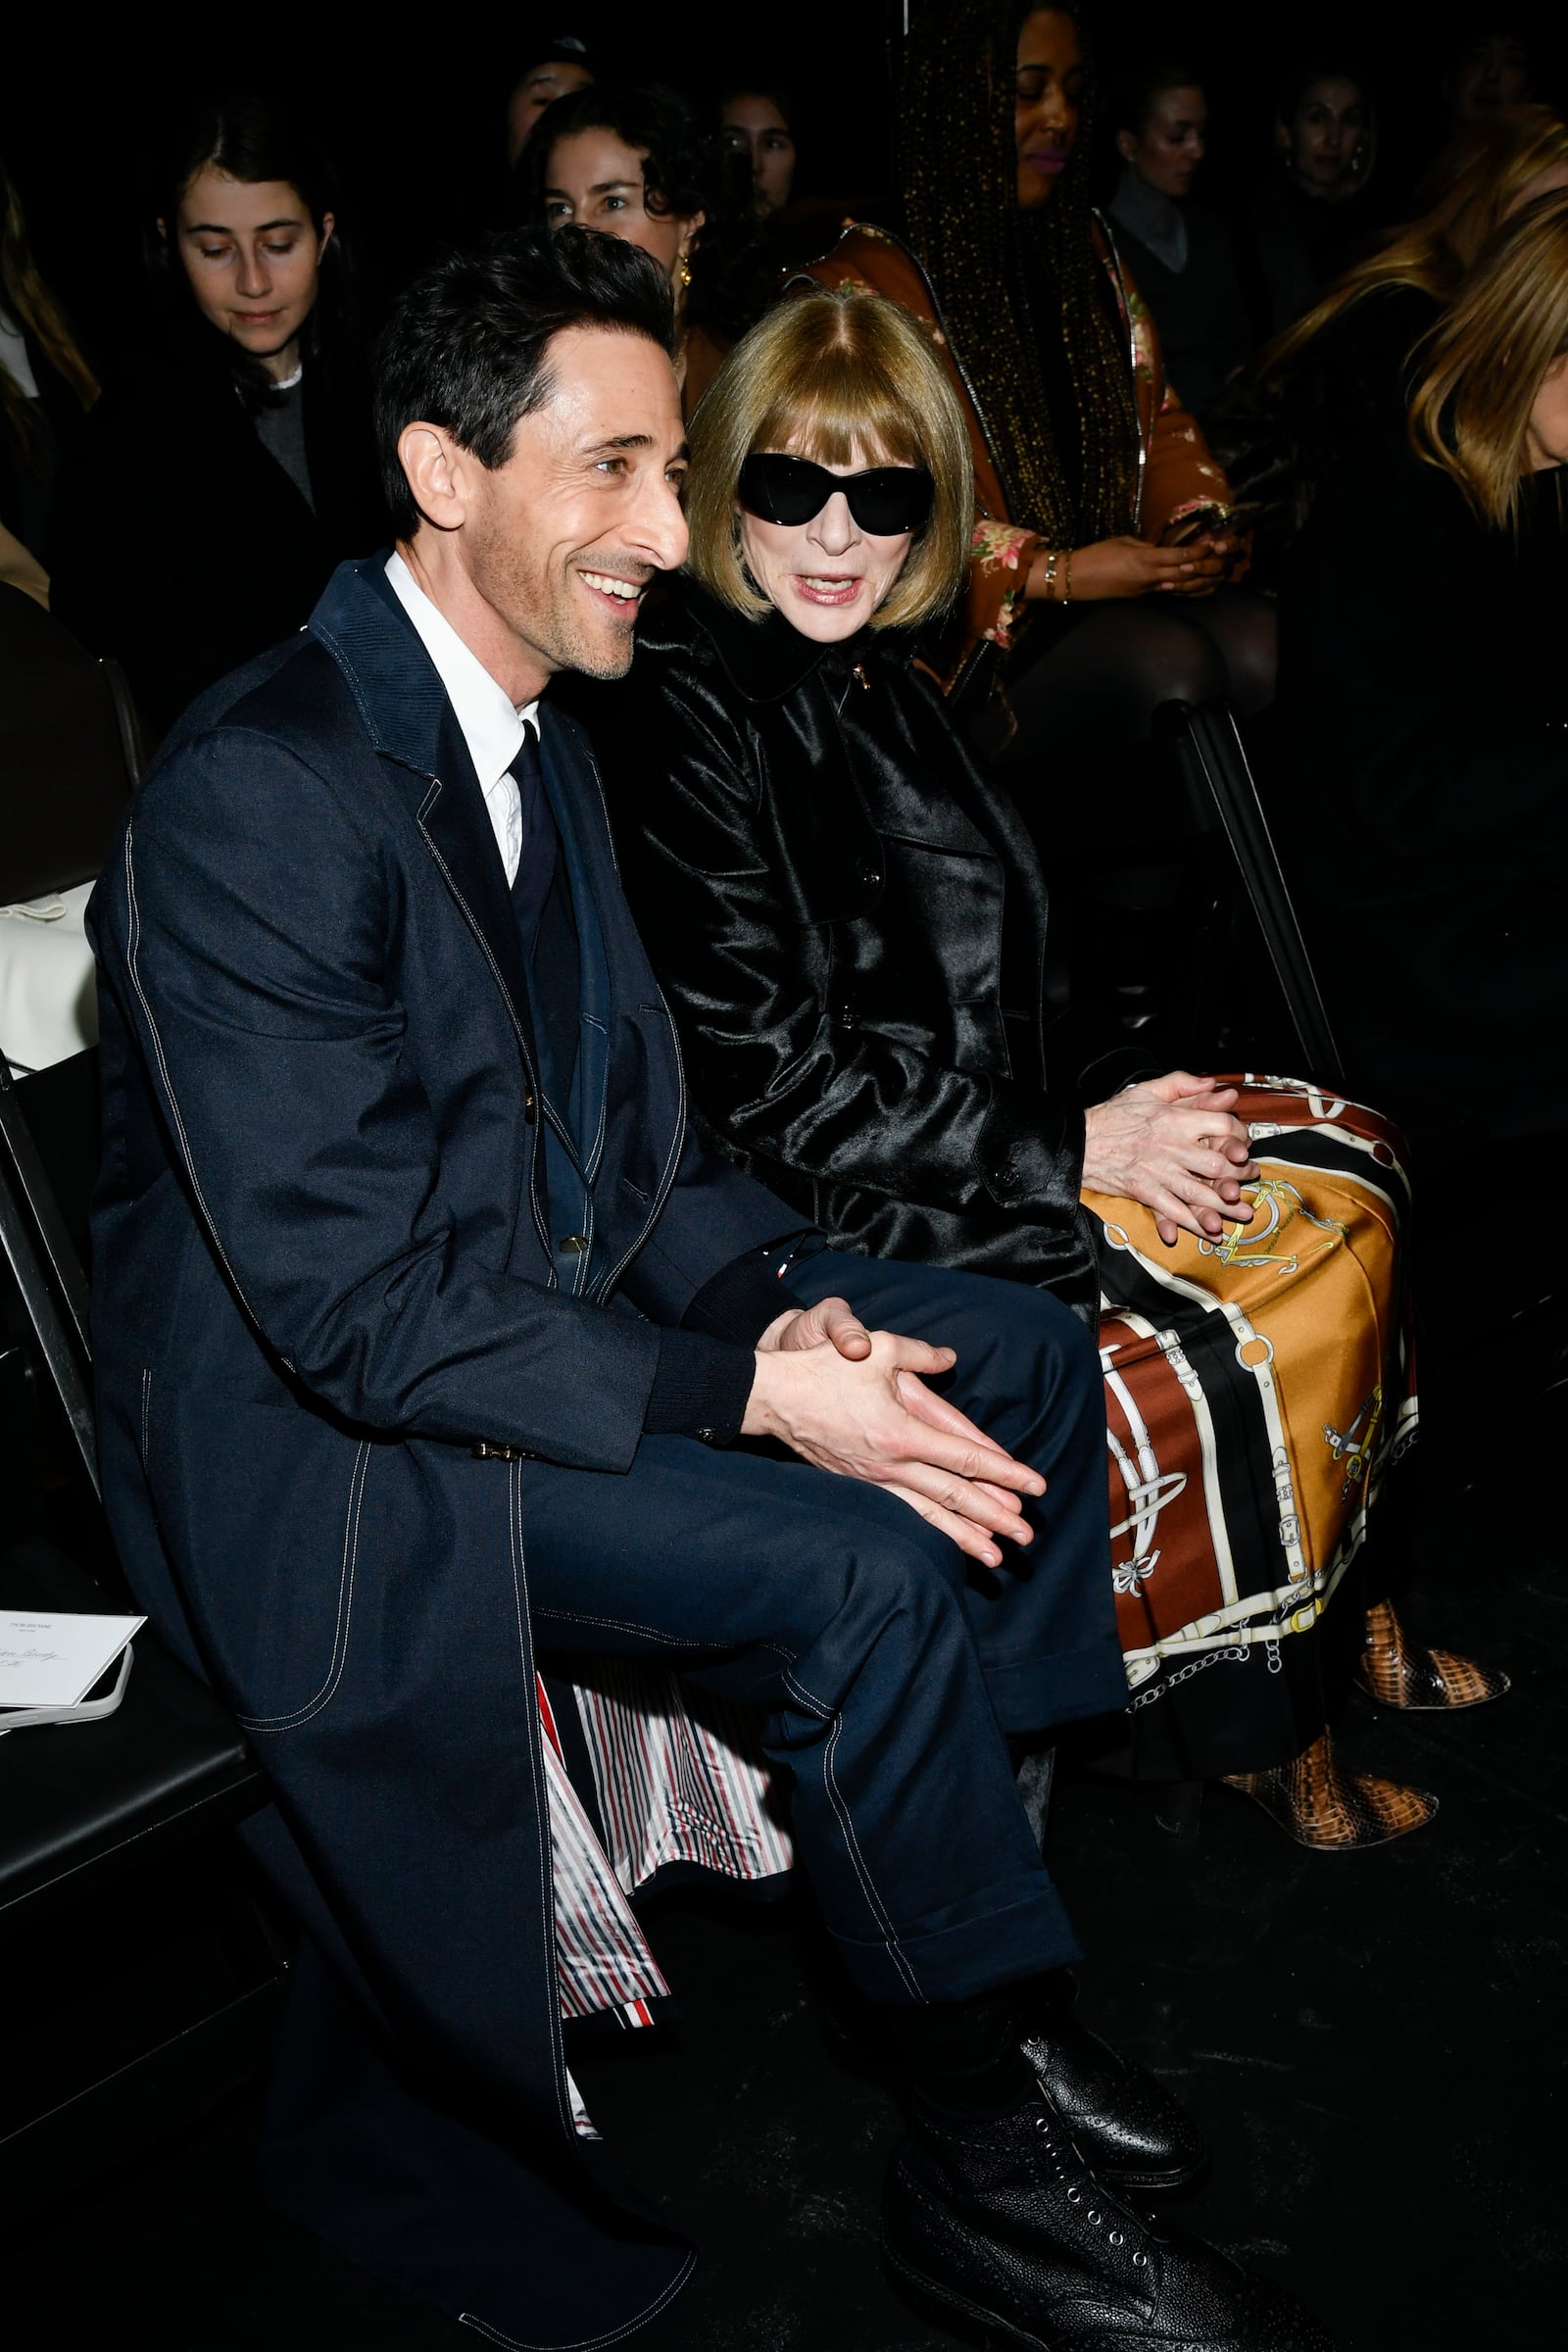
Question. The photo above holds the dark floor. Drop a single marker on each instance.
(1373, 2043)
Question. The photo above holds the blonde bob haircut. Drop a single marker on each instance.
(849, 379)
(1480, 370)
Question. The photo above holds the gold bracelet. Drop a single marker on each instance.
(1066, 588)
(1051, 561)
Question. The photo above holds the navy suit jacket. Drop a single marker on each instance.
(322, 1273)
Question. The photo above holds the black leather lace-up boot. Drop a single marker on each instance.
(1127, 2125)
(1001, 2219)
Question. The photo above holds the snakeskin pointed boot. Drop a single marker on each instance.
(1401, 1673)
(1333, 1811)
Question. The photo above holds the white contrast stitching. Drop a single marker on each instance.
(541, 1847)
(798, 1689)
(132, 948)
(584, 2343)
(345, 1611)
(622, 1625)
(836, 1801)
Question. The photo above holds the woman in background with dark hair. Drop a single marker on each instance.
(46, 386)
(230, 468)
(1311, 212)
(759, 126)
(629, 160)
(1494, 63)
(556, 69)
(1179, 252)
(754, 120)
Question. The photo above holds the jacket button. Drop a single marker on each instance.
(1007, 1175)
(844, 1014)
(572, 1244)
(871, 877)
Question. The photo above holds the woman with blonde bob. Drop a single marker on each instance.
(1428, 702)
(848, 922)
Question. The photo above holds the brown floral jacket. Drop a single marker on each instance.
(1177, 472)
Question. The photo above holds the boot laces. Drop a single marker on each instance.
(1083, 2190)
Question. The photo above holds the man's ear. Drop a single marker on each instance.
(437, 472)
(1126, 145)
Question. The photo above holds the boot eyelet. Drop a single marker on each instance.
(1093, 2217)
(1140, 2261)
(1075, 2196)
(1116, 2238)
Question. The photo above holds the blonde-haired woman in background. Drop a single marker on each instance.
(1332, 369)
(848, 922)
(1427, 719)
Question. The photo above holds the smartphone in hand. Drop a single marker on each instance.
(1212, 523)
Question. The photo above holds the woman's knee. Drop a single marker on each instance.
(1245, 628)
(1107, 679)
(1178, 661)
(1139, 656)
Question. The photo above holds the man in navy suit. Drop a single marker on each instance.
(426, 1332)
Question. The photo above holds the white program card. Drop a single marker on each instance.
(52, 1657)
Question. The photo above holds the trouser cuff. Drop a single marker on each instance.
(975, 1956)
(1036, 1694)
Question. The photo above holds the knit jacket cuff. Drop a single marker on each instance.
(742, 1299)
(701, 1387)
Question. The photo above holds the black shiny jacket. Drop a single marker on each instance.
(848, 922)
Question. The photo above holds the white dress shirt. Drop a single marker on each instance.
(493, 727)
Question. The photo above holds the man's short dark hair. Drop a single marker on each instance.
(466, 346)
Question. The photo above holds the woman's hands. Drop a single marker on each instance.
(1172, 1144)
(852, 1401)
(1127, 566)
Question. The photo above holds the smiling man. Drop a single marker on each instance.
(425, 1327)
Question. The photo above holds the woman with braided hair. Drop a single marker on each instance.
(1087, 464)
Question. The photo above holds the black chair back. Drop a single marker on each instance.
(1224, 799)
(147, 1971)
(46, 1273)
(70, 754)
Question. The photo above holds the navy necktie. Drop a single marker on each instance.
(536, 866)
(542, 904)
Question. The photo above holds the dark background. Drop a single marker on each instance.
(409, 104)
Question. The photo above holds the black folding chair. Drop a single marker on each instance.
(70, 749)
(144, 1978)
(1224, 797)
(48, 1283)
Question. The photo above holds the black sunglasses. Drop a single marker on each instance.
(884, 500)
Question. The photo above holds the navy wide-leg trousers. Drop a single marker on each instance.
(886, 1665)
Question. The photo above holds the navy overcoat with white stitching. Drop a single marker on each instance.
(321, 1276)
